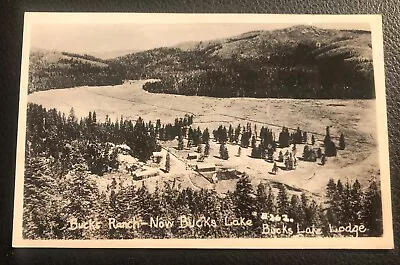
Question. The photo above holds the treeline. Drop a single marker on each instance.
(52, 134)
(85, 57)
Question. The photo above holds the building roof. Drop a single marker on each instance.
(148, 172)
(157, 154)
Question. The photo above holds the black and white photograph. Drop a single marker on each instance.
(202, 131)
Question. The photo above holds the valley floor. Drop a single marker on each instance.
(356, 119)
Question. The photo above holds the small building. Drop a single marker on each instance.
(192, 156)
(205, 168)
(157, 156)
(145, 174)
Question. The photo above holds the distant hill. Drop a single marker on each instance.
(52, 70)
(295, 62)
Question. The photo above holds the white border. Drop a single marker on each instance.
(375, 21)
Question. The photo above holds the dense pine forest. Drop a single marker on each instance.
(64, 153)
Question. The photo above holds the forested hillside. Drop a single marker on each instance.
(52, 70)
(296, 62)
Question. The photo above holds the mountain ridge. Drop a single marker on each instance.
(299, 61)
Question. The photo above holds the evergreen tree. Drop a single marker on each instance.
(270, 203)
(346, 213)
(261, 198)
(206, 136)
(223, 152)
(372, 210)
(244, 201)
(180, 142)
(83, 201)
(295, 210)
(356, 202)
(312, 139)
(237, 133)
(282, 200)
(207, 149)
(167, 162)
(330, 148)
(342, 144)
(332, 209)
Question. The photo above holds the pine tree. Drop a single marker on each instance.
(282, 199)
(356, 202)
(180, 142)
(346, 213)
(270, 204)
(261, 198)
(223, 152)
(207, 149)
(312, 139)
(244, 201)
(372, 212)
(327, 138)
(41, 212)
(342, 144)
(304, 209)
(83, 204)
(206, 136)
(167, 162)
(332, 202)
(295, 208)
(228, 211)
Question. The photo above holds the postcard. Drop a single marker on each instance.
(202, 131)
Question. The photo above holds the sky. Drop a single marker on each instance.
(102, 37)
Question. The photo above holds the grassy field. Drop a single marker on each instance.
(356, 119)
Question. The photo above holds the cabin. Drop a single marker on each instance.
(152, 172)
(157, 156)
(192, 156)
(205, 168)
